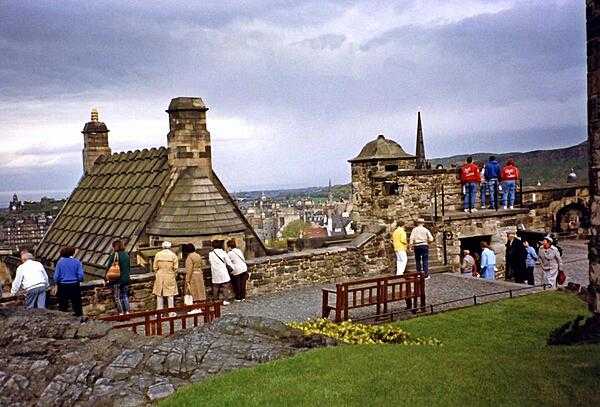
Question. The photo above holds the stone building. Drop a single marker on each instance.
(147, 196)
(390, 184)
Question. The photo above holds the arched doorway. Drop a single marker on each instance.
(572, 218)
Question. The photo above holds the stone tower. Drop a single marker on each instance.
(593, 89)
(420, 153)
(95, 141)
(188, 138)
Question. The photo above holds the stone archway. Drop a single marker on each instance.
(572, 218)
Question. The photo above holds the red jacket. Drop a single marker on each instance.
(470, 173)
(510, 173)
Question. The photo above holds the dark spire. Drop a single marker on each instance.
(421, 162)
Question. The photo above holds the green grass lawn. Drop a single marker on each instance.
(494, 354)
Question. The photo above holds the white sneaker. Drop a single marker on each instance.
(512, 207)
(466, 211)
(474, 209)
(172, 314)
(226, 303)
(505, 207)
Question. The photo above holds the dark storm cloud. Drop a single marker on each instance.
(315, 80)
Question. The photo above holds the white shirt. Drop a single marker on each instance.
(420, 235)
(217, 259)
(238, 260)
(30, 274)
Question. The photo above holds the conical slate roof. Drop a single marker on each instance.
(381, 149)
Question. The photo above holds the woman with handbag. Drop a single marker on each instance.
(117, 276)
(239, 275)
(194, 277)
(165, 266)
(550, 261)
(220, 267)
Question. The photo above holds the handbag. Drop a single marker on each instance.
(561, 278)
(114, 271)
(229, 268)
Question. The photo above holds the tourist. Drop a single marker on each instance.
(400, 246)
(516, 257)
(468, 266)
(31, 277)
(488, 262)
(420, 237)
(5, 278)
(67, 276)
(165, 266)
(470, 179)
(550, 261)
(239, 275)
(532, 258)
(509, 175)
(194, 277)
(220, 267)
(120, 286)
(492, 175)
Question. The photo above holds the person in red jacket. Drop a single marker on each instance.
(470, 178)
(509, 176)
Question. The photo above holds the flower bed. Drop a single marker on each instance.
(354, 333)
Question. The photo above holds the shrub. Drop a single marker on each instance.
(355, 333)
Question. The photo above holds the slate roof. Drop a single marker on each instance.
(381, 149)
(114, 201)
(196, 207)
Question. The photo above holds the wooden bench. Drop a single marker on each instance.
(152, 321)
(379, 291)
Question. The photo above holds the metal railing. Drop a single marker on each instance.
(431, 308)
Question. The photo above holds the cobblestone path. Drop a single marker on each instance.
(305, 302)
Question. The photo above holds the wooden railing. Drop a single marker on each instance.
(152, 321)
(378, 291)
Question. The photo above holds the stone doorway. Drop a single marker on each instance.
(473, 244)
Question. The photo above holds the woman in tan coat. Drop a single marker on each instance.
(165, 285)
(194, 277)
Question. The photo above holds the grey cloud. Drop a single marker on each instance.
(238, 59)
(323, 42)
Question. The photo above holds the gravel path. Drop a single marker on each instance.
(305, 302)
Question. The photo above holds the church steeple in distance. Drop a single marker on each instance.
(420, 153)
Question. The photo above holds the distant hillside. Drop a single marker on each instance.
(550, 167)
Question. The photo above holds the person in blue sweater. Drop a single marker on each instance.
(67, 276)
(488, 262)
(492, 176)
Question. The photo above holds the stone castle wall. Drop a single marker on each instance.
(415, 197)
(369, 254)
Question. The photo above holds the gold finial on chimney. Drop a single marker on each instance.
(94, 115)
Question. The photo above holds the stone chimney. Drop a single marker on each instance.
(95, 141)
(188, 138)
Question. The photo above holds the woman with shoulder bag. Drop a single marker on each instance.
(220, 267)
(194, 277)
(117, 276)
(239, 275)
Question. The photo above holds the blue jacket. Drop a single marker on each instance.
(531, 257)
(68, 271)
(492, 170)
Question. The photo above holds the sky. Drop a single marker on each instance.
(295, 88)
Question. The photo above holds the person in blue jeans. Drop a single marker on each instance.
(532, 258)
(492, 175)
(419, 240)
(488, 262)
(470, 178)
(32, 278)
(510, 175)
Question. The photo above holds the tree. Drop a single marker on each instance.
(293, 229)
